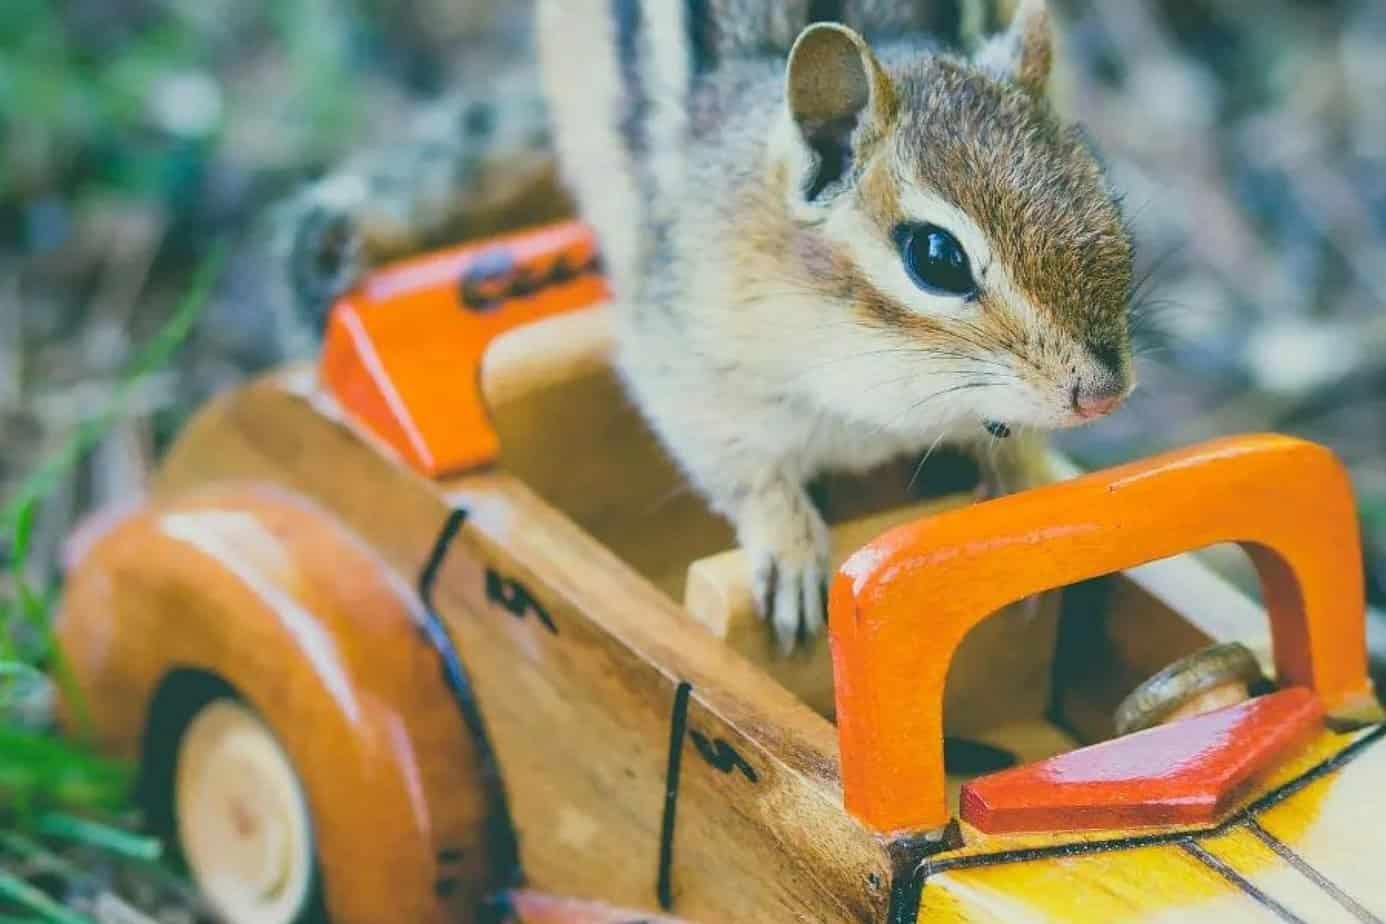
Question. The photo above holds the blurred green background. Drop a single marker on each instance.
(141, 138)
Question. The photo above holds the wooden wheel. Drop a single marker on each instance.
(243, 819)
(1217, 676)
(259, 597)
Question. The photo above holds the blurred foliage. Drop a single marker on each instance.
(43, 778)
(135, 100)
(26, 610)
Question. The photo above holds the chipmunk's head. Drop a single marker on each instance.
(970, 240)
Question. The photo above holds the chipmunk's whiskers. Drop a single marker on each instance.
(919, 469)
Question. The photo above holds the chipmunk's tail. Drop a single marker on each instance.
(619, 74)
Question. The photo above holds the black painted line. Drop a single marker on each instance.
(1244, 885)
(1310, 872)
(906, 909)
(437, 634)
(501, 841)
(1030, 854)
(907, 856)
(513, 597)
(678, 724)
(904, 901)
(428, 577)
(722, 757)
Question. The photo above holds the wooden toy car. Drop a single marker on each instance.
(435, 632)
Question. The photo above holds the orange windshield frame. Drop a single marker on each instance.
(901, 606)
(402, 354)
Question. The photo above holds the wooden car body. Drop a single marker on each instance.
(540, 668)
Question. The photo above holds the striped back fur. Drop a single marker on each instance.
(619, 75)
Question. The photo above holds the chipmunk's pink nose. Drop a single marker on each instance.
(1099, 401)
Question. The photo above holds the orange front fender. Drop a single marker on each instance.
(276, 598)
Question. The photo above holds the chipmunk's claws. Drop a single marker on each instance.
(793, 601)
(788, 545)
(792, 598)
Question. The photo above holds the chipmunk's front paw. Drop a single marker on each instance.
(788, 546)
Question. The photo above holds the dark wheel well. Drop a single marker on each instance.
(181, 695)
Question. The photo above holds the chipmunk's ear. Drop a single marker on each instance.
(1024, 53)
(839, 102)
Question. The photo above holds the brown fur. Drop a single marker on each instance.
(1032, 186)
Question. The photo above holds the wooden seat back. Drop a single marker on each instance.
(568, 430)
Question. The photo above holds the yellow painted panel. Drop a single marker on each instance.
(941, 906)
(1323, 748)
(1337, 825)
(1147, 884)
(1277, 879)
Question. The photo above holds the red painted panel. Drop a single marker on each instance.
(403, 353)
(1185, 773)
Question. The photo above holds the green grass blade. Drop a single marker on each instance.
(103, 837)
(23, 533)
(26, 896)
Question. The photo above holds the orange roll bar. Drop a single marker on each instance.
(901, 605)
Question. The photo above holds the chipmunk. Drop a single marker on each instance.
(827, 253)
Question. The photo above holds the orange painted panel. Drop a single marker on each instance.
(1188, 772)
(403, 353)
(902, 605)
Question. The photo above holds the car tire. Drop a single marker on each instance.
(242, 819)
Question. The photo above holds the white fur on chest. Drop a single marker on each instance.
(730, 399)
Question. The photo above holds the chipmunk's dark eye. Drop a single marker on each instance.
(935, 260)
